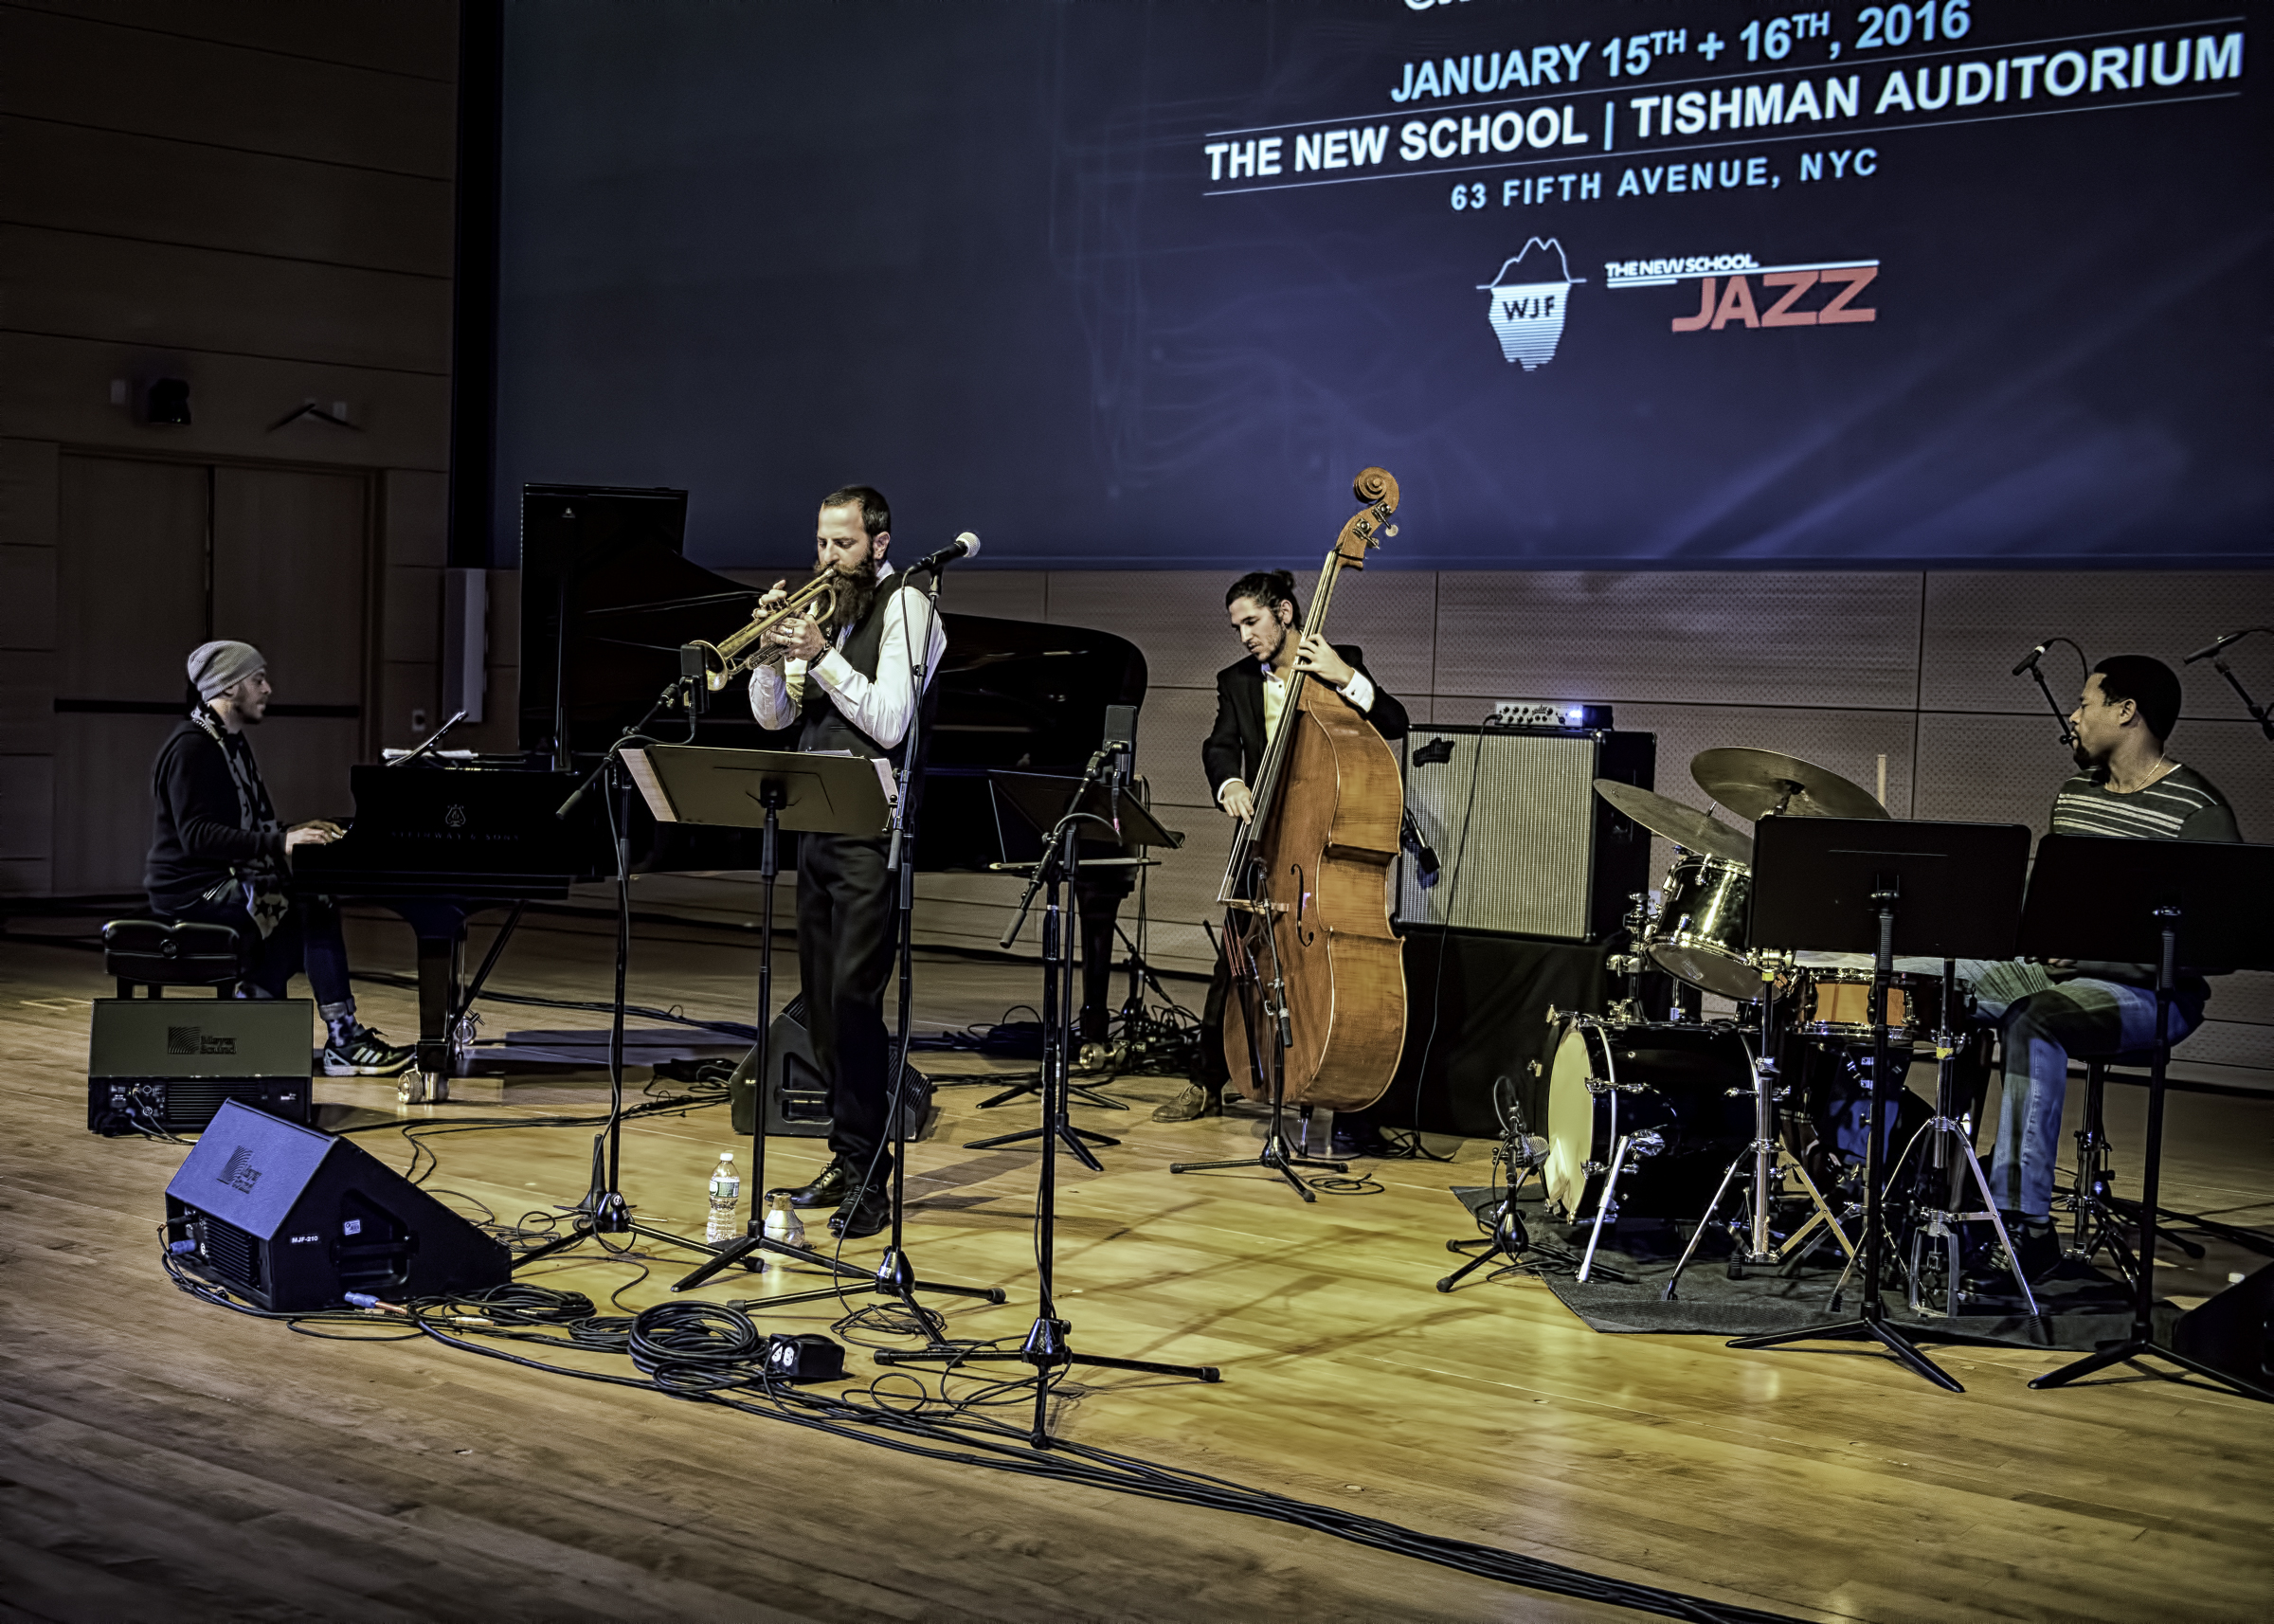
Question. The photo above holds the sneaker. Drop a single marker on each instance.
(367, 1054)
(1194, 1102)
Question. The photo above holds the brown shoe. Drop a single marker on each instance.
(1193, 1103)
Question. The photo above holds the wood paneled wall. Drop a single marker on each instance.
(257, 199)
(1840, 669)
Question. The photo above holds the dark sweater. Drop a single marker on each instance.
(200, 837)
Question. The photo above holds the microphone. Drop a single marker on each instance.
(964, 546)
(2210, 649)
(2031, 659)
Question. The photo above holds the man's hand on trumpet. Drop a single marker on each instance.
(800, 636)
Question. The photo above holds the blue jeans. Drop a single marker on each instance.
(2040, 1033)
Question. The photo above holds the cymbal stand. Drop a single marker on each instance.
(1939, 1133)
(1772, 1161)
(1871, 1323)
(1047, 1346)
(1278, 1154)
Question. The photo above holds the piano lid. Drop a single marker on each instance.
(606, 564)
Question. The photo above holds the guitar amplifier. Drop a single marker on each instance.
(165, 1065)
(1522, 842)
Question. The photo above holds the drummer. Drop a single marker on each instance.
(2126, 786)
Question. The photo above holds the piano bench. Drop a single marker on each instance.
(151, 954)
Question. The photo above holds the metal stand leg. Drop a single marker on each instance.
(1873, 1323)
(2141, 1342)
(1606, 1204)
(1278, 1155)
(1047, 1347)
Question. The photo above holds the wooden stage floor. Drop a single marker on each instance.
(167, 1460)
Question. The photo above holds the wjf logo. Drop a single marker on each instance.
(1529, 297)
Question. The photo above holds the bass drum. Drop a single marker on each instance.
(1684, 1095)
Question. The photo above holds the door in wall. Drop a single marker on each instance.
(154, 559)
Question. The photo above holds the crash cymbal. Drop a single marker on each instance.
(1684, 825)
(1759, 784)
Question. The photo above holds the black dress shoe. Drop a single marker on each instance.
(871, 1215)
(828, 1190)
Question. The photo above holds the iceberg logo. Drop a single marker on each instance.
(1529, 297)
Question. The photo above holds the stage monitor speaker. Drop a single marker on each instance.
(293, 1220)
(1523, 844)
(2234, 1331)
(797, 1095)
(165, 1065)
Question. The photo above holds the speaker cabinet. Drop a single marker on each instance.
(293, 1220)
(168, 1064)
(797, 1095)
(1524, 844)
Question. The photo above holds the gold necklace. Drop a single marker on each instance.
(2164, 768)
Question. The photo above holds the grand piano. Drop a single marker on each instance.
(606, 601)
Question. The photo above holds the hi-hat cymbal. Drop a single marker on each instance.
(1759, 784)
(1684, 825)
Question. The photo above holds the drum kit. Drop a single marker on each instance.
(1661, 1119)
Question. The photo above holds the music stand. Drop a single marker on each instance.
(1061, 806)
(1941, 891)
(769, 791)
(1056, 806)
(2132, 901)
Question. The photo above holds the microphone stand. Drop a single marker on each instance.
(2258, 713)
(2052, 704)
(895, 1277)
(604, 1210)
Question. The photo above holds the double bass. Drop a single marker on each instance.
(1318, 1009)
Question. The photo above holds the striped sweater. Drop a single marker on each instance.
(2180, 805)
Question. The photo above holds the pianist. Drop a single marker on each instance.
(848, 686)
(218, 857)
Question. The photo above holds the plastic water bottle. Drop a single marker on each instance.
(726, 1200)
(783, 1223)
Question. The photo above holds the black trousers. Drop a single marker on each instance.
(306, 939)
(845, 918)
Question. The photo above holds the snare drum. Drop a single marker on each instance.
(1699, 934)
(1837, 1003)
(1684, 1095)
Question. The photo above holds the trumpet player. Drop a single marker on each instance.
(847, 685)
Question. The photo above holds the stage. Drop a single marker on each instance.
(168, 1459)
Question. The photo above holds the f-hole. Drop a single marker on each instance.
(1303, 936)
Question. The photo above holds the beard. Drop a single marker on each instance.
(855, 596)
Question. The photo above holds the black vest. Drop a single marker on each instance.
(823, 726)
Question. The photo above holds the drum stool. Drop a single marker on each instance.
(2098, 1215)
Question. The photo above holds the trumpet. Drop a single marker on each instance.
(749, 648)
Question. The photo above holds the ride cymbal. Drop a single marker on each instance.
(1760, 784)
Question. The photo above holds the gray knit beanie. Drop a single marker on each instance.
(216, 667)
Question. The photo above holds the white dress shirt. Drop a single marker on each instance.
(880, 706)
(1359, 692)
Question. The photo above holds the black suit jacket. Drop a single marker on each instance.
(1234, 748)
